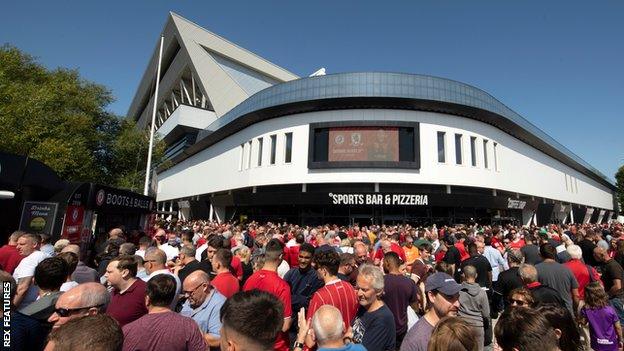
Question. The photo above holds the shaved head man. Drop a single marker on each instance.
(82, 300)
(203, 304)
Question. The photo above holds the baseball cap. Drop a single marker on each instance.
(443, 283)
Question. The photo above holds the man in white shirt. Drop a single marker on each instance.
(28, 247)
(156, 263)
(171, 247)
(46, 247)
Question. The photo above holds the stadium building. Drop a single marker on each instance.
(249, 140)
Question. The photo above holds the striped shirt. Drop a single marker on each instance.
(339, 294)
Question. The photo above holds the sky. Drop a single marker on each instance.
(559, 64)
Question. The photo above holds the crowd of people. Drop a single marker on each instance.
(201, 285)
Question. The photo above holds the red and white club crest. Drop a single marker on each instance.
(99, 199)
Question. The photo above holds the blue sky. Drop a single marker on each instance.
(560, 64)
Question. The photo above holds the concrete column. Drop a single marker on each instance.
(219, 213)
(527, 217)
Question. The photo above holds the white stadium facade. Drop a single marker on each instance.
(249, 140)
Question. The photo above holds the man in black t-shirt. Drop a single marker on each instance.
(482, 265)
(588, 246)
(530, 250)
(452, 256)
(541, 293)
(510, 279)
(612, 277)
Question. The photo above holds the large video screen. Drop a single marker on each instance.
(363, 144)
(385, 144)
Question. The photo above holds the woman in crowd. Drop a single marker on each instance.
(521, 297)
(453, 334)
(245, 256)
(605, 332)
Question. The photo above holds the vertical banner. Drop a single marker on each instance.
(74, 219)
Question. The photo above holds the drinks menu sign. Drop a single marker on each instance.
(38, 217)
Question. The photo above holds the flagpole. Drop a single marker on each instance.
(151, 140)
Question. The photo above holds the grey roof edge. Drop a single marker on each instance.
(369, 85)
(144, 86)
(147, 72)
(173, 14)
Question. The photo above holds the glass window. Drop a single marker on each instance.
(441, 148)
(485, 153)
(242, 157)
(473, 151)
(458, 149)
(273, 148)
(260, 142)
(249, 154)
(566, 180)
(288, 150)
(495, 156)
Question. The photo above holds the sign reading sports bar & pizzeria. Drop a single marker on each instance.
(380, 199)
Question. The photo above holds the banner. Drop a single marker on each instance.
(363, 144)
(74, 218)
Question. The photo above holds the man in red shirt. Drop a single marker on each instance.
(580, 270)
(128, 297)
(225, 282)
(9, 256)
(390, 245)
(336, 292)
(267, 280)
(463, 253)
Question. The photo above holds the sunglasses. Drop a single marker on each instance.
(65, 312)
(515, 302)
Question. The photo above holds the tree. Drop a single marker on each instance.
(619, 183)
(130, 156)
(60, 119)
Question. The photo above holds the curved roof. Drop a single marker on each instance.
(387, 90)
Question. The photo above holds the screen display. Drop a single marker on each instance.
(363, 144)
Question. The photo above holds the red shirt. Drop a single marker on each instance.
(462, 251)
(581, 273)
(379, 255)
(339, 294)
(270, 282)
(517, 245)
(293, 256)
(226, 284)
(129, 305)
(9, 258)
(237, 266)
(201, 241)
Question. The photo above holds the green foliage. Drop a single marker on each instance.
(130, 150)
(60, 119)
(619, 182)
